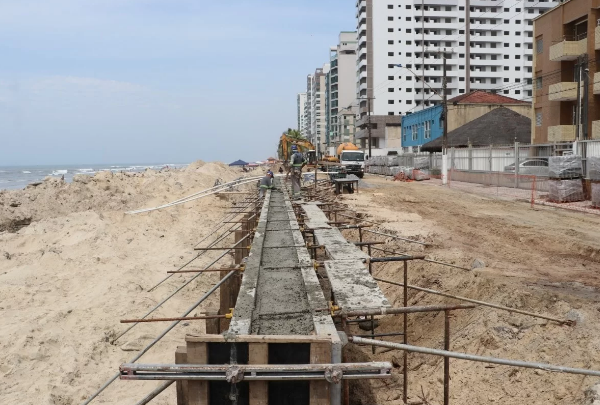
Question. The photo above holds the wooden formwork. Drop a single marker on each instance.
(254, 349)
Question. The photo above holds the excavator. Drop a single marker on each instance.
(284, 150)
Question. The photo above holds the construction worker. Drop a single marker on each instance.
(266, 183)
(297, 162)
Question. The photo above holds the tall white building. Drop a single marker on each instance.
(488, 45)
(301, 112)
(317, 114)
(341, 90)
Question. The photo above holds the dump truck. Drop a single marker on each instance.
(351, 158)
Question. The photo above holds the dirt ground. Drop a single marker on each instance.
(543, 260)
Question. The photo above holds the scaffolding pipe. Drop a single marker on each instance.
(482, 303)
(427, 260)
(198, 195)
(157, 339)
(473, 357)
(175, 292)
(403, 310)
(155, 393)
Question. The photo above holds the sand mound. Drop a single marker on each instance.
(72, 264)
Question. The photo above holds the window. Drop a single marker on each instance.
(408, 18)
(539, 84)
(408, 78)
(461, 67)
(390, 18)
(506, 45)
(390, 77)
(461, 79)
(390, 101)
(517, 32)
(408, 101)
(518, 80)
(506, 21)
(539, 45)
(390, 6)
(461, 20)
(518, 10)
(505, 91)
(493, 81)
(517, 21)
(390, 113)
(506, 80)
(461, 91)
(427, 132)
(409, 90)
(408, 6)
(517, 45)
(390, 30)
(517, 68)
(390, 89)
(538, 119)
(390, 65)
(409, 54)
(390, 53)
(408, 30)
(415, 132)
(461, 8)
(408, 42)
(506, 9)
(505, 67)
(517, 91)
(506, 56)
(391, 42)
(506, 33)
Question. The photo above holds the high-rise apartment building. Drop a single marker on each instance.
(307, 109)
(316, 98)
(567, 43)
(301, 111)
(488, 45)
(340, 90)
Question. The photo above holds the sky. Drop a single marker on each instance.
(152, 81)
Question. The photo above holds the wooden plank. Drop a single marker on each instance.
(181, 386)
(197, 353)
(213, 326)
(258, 339)
(258, 353)
(320, 353)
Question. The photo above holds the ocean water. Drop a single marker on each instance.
(16, 177)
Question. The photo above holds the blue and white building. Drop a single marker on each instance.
(421, 127)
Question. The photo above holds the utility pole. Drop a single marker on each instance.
(445, 116)
(584, 113)
(578, 106)
(369, 123)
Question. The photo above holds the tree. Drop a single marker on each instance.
(294, 134)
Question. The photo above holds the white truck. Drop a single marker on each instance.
(352, 159)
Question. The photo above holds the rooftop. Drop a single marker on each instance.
(500, 126)
(484, 97)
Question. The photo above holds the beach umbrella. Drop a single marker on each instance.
(238, 163)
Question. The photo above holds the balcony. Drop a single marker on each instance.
(362, 86)
(362, 75)
(362, 16)
(561, 133)
(361, 63)
(565, 91)
(568, 50)
(597, 38)
(597, 83)
(362, 51)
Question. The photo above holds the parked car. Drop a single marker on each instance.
(532, 167)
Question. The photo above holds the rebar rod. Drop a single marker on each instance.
(399, 237)
(404, 310)
(157, 339)
(175, 292)
(427, 260)
(482, 303)
(187, 318)
(473, 357)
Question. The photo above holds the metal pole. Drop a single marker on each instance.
(585, 101)
(405, 336)
(446, 359)
(578, 109)
(175, 292)
(369, 123)
(155, 393)
(445, 104)
(472, 357)
(482, 303)
(397, 237)
(157, 339)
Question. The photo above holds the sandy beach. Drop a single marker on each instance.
(82, 264)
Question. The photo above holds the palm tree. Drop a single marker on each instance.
(295, 134)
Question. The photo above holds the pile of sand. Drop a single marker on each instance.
(82, 264)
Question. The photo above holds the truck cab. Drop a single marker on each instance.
(353, 161)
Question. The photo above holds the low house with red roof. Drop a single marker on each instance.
(426, 125)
